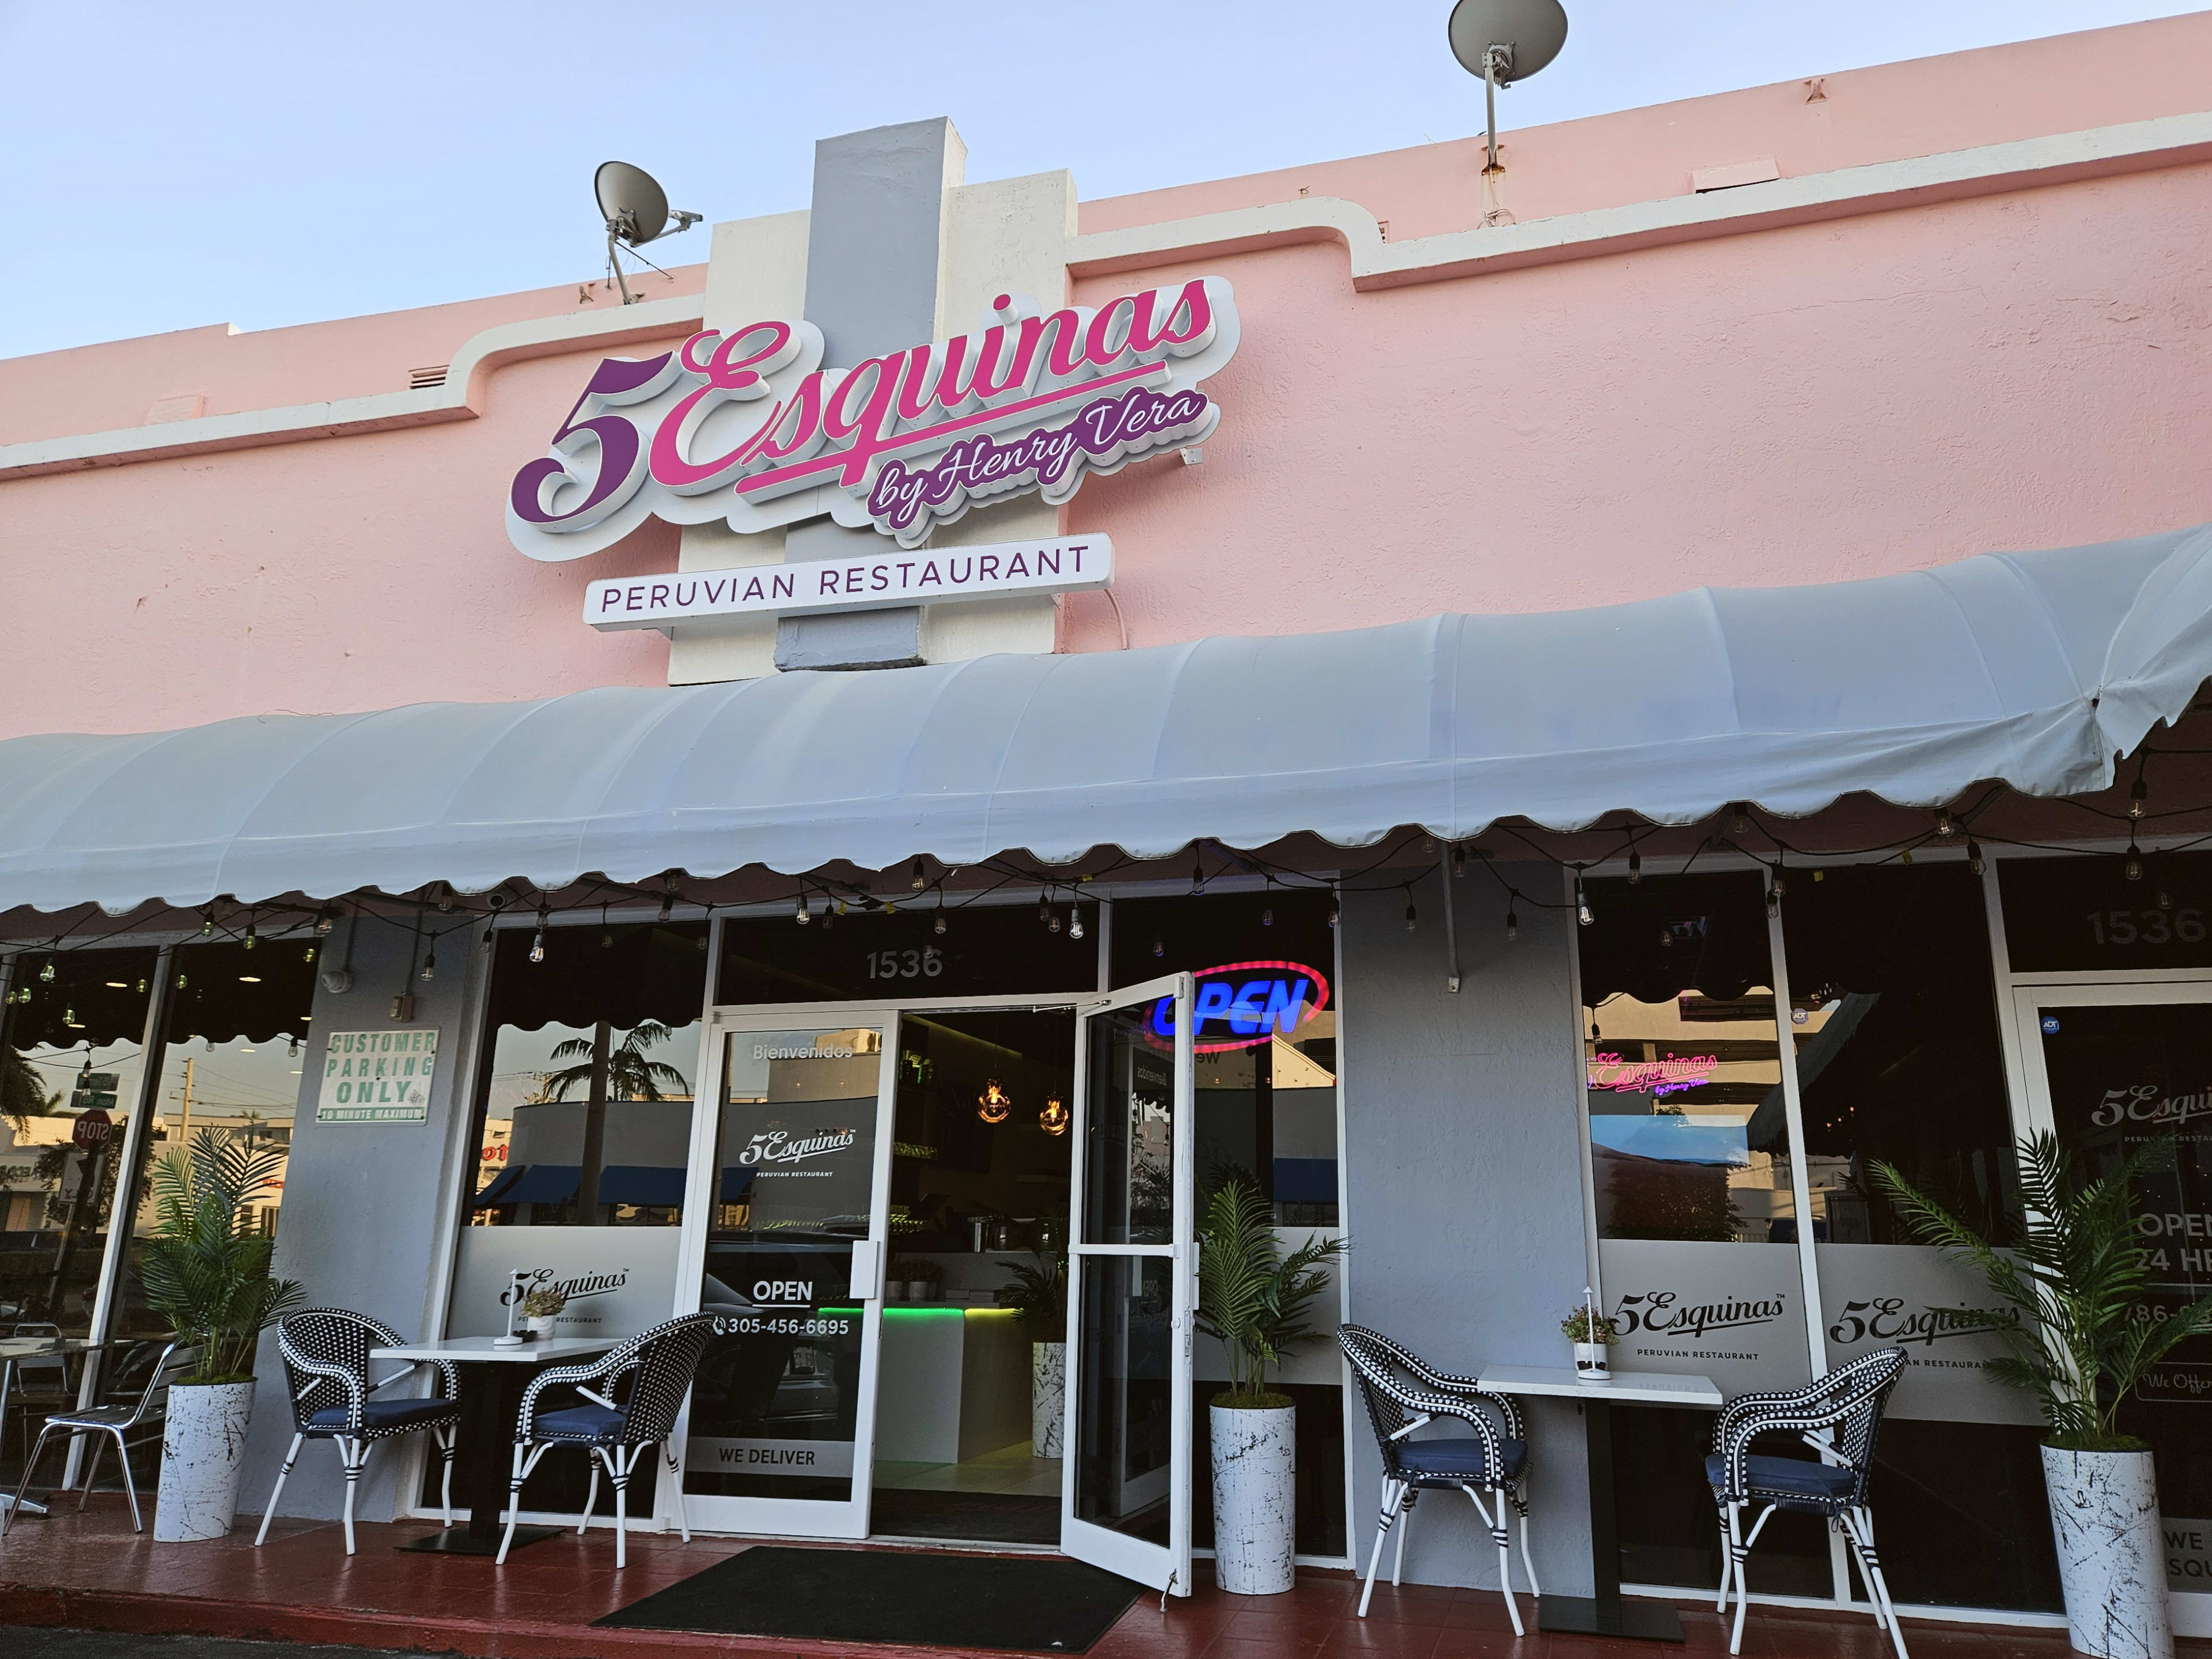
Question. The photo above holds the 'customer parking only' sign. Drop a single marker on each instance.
(377, 1077)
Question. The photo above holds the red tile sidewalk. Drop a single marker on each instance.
(92, 1571)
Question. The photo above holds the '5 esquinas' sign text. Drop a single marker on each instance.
(748, 426)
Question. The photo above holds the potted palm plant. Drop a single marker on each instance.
(1255, 1301)
(2081, 1335)
(1037, 1293)
(205, 1269)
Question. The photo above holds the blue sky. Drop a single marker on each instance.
(170, 165)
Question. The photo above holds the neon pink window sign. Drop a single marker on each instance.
(1241, 1005)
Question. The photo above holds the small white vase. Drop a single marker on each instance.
(1254, 1499)
(2104, 1518)
(540, 1326)
(1591, 1364)
(1047, 1398)
(202, 1456)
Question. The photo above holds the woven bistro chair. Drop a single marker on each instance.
(1838, 1418)
(325, 1353)
(120, 1420)
(1403, 1394)
(655, 1368)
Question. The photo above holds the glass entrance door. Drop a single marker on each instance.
(1133, 1289)
(789, 1260)
(2109, 1069)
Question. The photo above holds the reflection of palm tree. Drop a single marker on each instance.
(22, 1092)
(630, 1075)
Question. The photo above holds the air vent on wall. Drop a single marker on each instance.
(420, 380)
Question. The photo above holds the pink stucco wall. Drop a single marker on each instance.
(1791, 406)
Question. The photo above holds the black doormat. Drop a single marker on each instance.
(980, 1517)
(913, 1596)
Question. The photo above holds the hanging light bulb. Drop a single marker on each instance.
(487, 938)
(69, 1014)
(181, 984)
(920, 878)
(940, 923)
(1973, 855)
(2133, 868)
(1044, 911)
(1055, 1117)
(250, 937)
(537, 946)
(1635, 867)
(1776, 884)
(430, 962)
(1459, 859)
(1584, 914)
(46, 973)
(207, 924)
(1667, 939)
(1411, 919)
(1944, 825)
(1740, 826)
(325, 919)
(993, 1103)
(1159, 949)
(1773, 903)
(2137, 795)
(446, 897)
(1197, 876)
(292, 1049)
(1074, 922)
(1512, 924)
(667, 906)
(141, 988)
(1054, 921)
(840, 906)
(802, 916)
(1332, 907)
(606, 933)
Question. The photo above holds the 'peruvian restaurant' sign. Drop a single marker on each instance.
(748, 426)
(377, 1077)
(923, 577)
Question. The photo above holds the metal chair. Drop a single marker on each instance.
(119, 1420)
(1404, 1395)
(658, 1367)
(1837, 1417)
(325, 1353)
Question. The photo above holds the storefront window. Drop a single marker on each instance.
(73, 1056)
(1690, 1158)
(1899, 1061)
(585, 1124)
(233, 1057)
(901, 950)
(1265, 1084)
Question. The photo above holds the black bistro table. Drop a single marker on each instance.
(492, 1381)
(1603, 1612)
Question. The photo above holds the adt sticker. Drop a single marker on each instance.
(2051, 1025)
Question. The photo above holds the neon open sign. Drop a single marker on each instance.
(1242, 1005)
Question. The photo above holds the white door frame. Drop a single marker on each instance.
(1163, 1567)
(2190, 1611)
(805, 1518)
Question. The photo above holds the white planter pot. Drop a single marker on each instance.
(203, 1454)
(1591, 1364)
(2104, 1517)
(1047, 1398)
(542, 1326)
(1254, 1499)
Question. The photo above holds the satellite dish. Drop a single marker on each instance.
(631, 201)
(1531, 33)
(635, 209)
(1505, 41)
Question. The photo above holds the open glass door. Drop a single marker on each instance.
(1132, 1291)
(796, 1165)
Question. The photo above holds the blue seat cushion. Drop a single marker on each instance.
(578, 1423)
(1785, 1477)
(1459, 1459)
(386, 1416)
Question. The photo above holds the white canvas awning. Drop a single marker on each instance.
(2035, 669)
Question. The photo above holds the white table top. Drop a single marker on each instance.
(472, 1349)
(1638, 1388)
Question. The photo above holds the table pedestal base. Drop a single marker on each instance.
(1578, 1615)
(460, 1541)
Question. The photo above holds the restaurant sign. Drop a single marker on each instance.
(747, 425)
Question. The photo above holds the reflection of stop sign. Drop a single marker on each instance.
(93, 1129)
